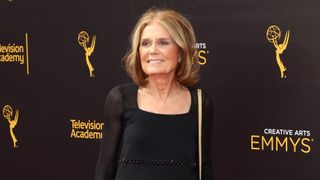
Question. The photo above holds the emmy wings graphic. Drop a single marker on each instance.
(83, 40)
(8, 114)
(273, 35)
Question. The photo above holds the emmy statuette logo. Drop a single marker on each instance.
(273, 35)
(8, 114)
(83, 40)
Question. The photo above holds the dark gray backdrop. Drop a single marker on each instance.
(241, 75)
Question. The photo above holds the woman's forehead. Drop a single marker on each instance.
(154, 30)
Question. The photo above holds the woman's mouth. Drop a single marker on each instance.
(153, 61)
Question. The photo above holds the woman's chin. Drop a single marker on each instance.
(155, 72)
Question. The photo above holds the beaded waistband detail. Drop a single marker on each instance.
(158, 162)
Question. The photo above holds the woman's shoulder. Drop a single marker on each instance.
(122, 92)
(128, 89)
(206, 99)
(123, 88)
(204, 93)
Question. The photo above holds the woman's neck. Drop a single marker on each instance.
(161, 86)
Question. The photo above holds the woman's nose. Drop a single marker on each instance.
(154, 48)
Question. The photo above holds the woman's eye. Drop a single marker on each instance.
(145, 43)
(164, 43)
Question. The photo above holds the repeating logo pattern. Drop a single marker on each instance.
(273, 35)
(83, 40)
(7, 112)
(16, 52)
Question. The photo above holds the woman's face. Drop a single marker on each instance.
(158, 51)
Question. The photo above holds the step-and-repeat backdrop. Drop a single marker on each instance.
(260, 63)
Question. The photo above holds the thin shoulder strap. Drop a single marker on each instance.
(200, 131)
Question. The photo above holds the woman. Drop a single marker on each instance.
(150, 128)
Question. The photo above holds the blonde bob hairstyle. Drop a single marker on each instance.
(181, 30)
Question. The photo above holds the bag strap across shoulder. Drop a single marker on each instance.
(200, 131)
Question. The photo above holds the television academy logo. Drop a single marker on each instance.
(7, 112)
(273, 35)
(16, 53)
(86, 129)
(83, 40)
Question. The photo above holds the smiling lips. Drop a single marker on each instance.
(154, 61)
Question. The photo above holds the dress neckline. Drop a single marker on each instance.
(160, 114)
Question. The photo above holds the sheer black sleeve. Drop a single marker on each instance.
(107, 161)
(207, 172)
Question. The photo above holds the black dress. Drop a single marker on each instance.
(140, 145)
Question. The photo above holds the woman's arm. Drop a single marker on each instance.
(108, 158)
